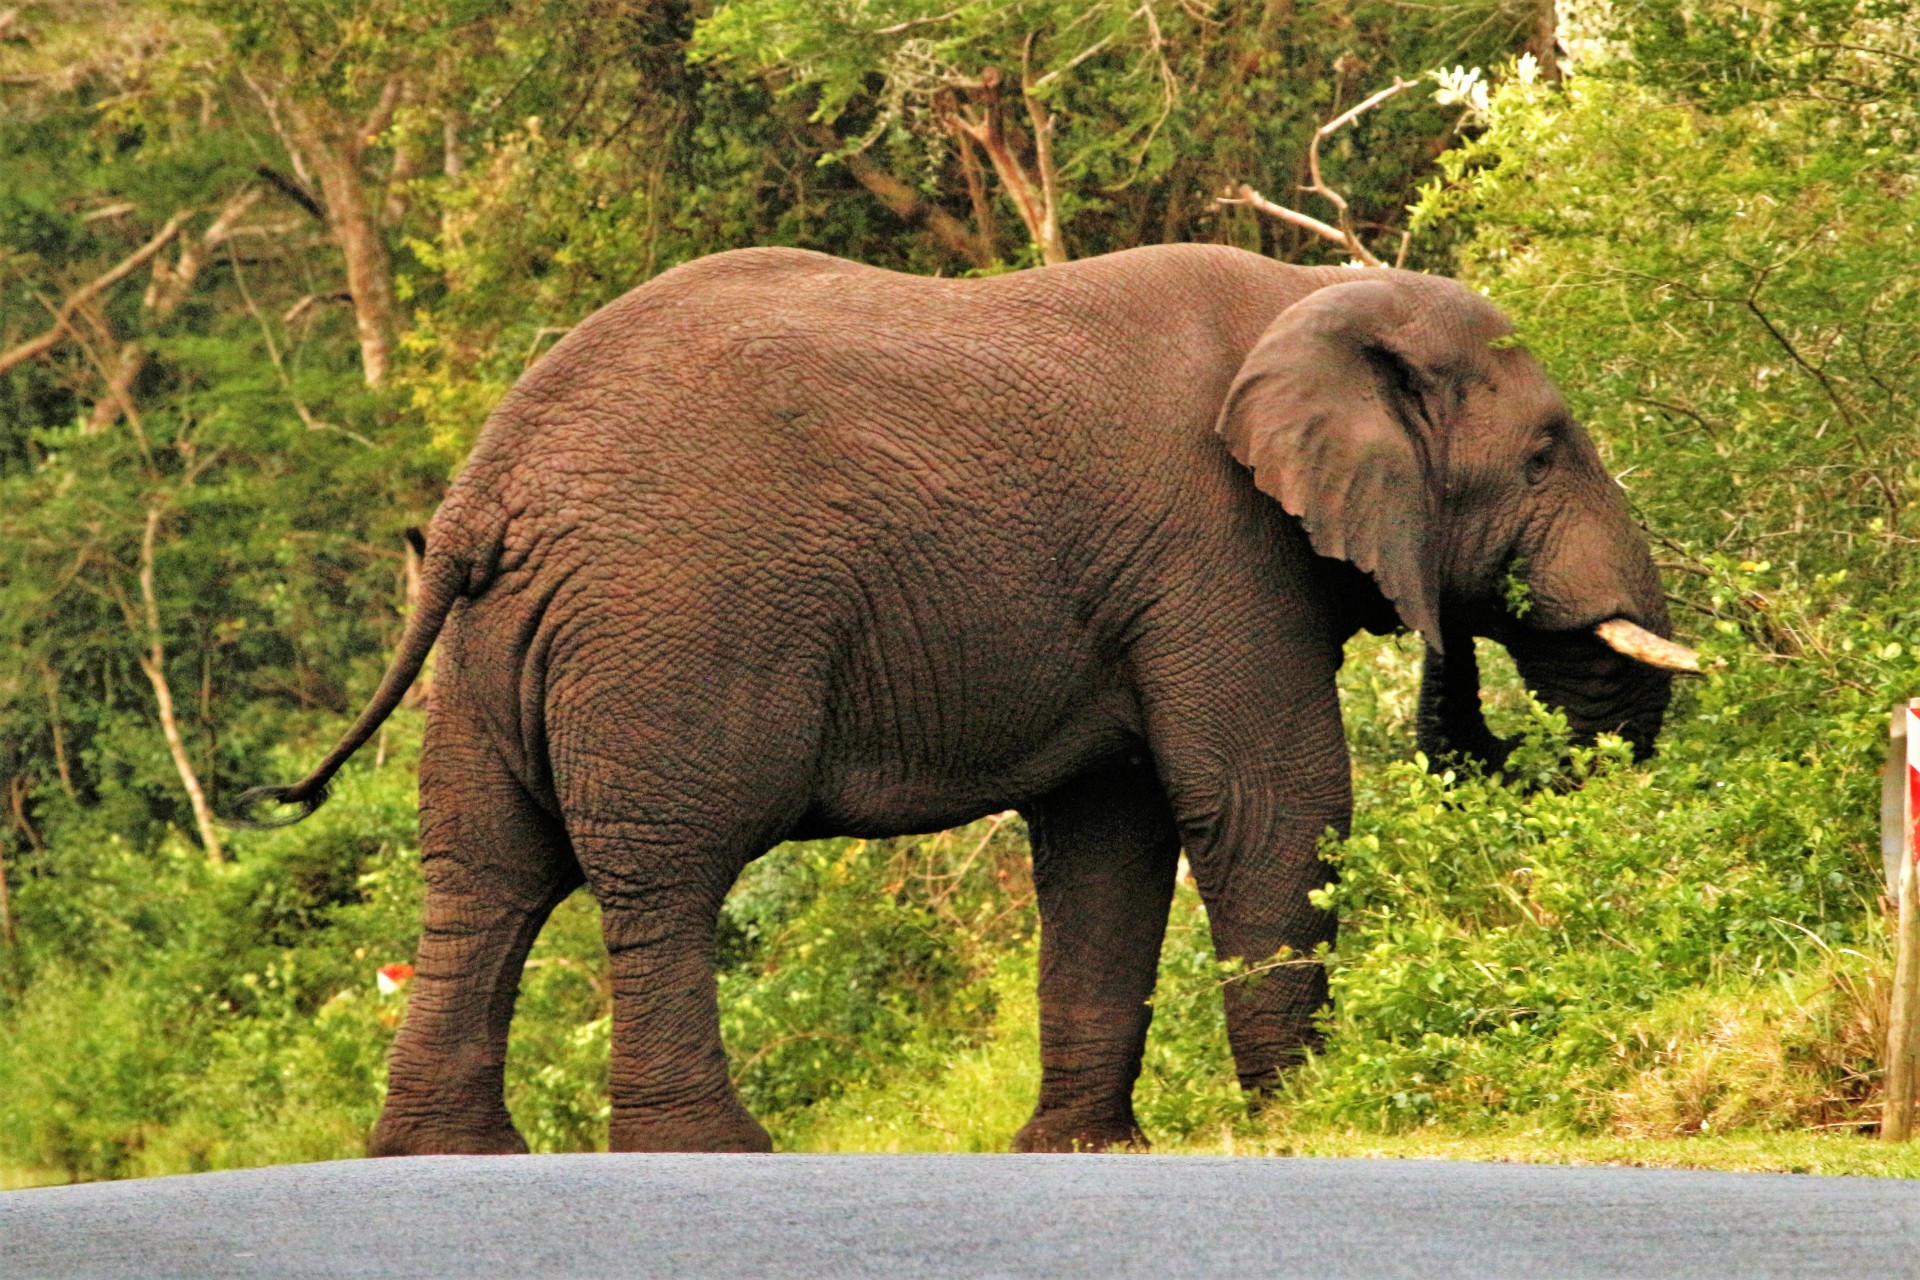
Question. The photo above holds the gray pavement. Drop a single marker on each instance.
(970, 1216)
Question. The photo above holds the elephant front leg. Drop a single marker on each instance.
(1254, 760)
(1255, 861)
(1104, 853)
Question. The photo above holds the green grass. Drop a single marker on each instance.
(16, 1178)
(986, 1093)
(1844, 1154)
(975, 1103)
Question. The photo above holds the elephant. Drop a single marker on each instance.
(779, 547)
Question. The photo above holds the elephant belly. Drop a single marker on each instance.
(874, 784)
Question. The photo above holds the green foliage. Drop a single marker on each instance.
(1515, 591)
(1151, 111)
(180, 1016)
(1720, 296)
(832, 982)
(1501, 951)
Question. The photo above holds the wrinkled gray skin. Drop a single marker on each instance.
(781, 547)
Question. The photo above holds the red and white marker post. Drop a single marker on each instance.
(1899, 805)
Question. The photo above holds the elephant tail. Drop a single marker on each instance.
(444, 578)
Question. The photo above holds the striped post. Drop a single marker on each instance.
(1899, 803)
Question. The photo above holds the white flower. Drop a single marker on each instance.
(1464, 87)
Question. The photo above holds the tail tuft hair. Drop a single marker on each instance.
(309, 799)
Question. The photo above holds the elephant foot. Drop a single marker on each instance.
(733, 1129)
(1056, 1131)
(424, 1138)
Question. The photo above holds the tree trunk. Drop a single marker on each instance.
(332, 150)
(1034, 195)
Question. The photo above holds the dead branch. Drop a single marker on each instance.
(34, 347)
(291, 190)
(1343, 234)
(153, 666)
(985, 126)
(50, 681)
(165, 292)
(907, 203)
(1254, 200)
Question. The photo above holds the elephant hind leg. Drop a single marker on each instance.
(1104, 853)
(660, 889)
(495, 865)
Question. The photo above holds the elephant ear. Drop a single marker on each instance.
(1338, 411)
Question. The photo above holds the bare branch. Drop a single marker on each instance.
(116, 386)
(165, 292)
(1318, 185)
(1052, 248)
(311, 301)
(976, 191)
(906, 203)
(911, 23)
(153, 666)
(279, 364)
(1254, 200)
(391, 95)
(1033, 197)
(50, 681)
(109, 211)
(171, 284)
(272, 108)
(34, 347)
(291, 190)
(1343, 234)
(1867, 49)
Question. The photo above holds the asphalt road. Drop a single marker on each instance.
(895, 1216)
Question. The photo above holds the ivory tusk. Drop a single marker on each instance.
(1643, 646)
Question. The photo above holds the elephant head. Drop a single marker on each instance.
(1391, 416)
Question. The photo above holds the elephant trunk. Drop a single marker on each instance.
(1600, 689)
(1592, 640)
(1582, 673)
(1450, 723)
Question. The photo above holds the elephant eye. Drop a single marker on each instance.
(1540, 463)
